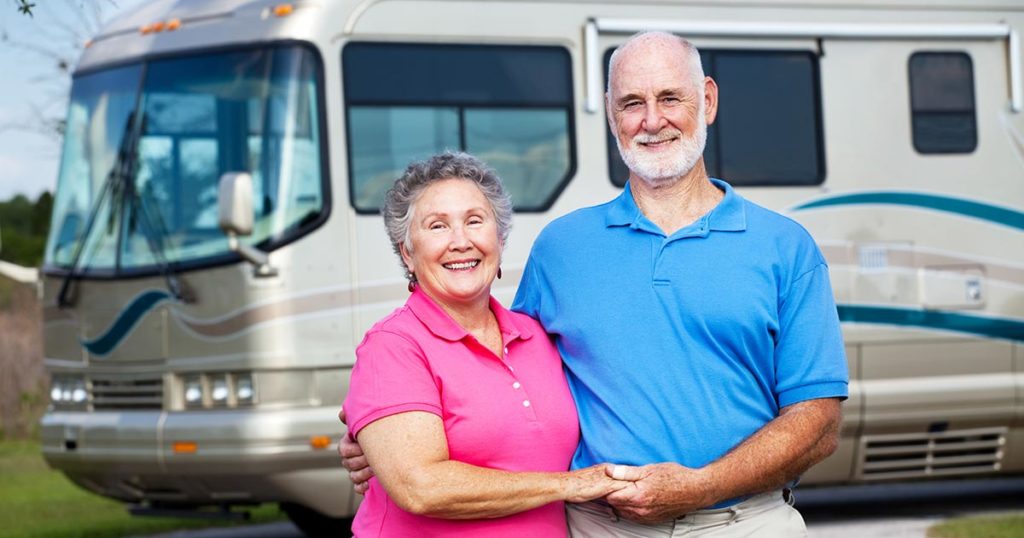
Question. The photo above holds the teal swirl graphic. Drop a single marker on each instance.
(947, 204)
(125, 322)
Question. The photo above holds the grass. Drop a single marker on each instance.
(41, 503)
(1001, 526)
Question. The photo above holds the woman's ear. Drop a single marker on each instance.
(406, 258)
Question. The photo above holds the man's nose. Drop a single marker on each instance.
(653, 118)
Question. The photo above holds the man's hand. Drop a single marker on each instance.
(661, 492)
(353, 460)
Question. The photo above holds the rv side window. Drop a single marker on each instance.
(768, 129)
(942, 102)
(509, 105)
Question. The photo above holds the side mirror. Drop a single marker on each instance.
(234, 203)
(234, 216)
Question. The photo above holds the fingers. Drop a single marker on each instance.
(350, 449)
(361, 476)
(625, 472)
(342, 417)
(361, 488)
(355, 463)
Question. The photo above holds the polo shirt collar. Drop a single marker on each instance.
(728, 216)
(438, 322)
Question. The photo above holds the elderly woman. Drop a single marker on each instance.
(460, 405)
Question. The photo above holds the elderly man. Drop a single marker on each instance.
(698, 330)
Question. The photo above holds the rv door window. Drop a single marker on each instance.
(768, 130)
(509, 105)
(942, 102)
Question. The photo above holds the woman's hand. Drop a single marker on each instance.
(592, 483)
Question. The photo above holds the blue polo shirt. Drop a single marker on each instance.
(678, 348)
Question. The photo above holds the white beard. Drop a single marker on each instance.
(658, 169)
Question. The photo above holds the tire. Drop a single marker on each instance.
(316, 525)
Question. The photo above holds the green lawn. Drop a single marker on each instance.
(1004, 526)
(39, 502)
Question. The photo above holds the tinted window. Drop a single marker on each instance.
(768, 129)
(942, 102)
(510, 106)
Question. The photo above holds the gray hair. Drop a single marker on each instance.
(693, 55)
(401, 198)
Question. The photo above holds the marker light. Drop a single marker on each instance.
(319, 442)
(158, 26)
(283, 9)
(173, 25)
(184, 447)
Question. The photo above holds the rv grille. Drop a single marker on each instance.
(932, 454)
(124, 392)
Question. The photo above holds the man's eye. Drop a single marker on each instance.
(670, 100)
(631, 105)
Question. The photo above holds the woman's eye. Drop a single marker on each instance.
(437, 226)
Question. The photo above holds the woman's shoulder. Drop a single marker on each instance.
(401, 323)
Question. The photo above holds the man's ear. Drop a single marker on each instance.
(710, 100)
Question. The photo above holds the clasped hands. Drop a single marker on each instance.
(658, 492)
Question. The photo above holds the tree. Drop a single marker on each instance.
(25, 7)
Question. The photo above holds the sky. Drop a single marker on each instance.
(31, 82)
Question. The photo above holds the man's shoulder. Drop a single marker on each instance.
(762, 219)
(579, 222)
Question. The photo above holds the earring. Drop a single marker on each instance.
(499, 273)
(412, 281)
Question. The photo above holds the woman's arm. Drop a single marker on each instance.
(409, 456)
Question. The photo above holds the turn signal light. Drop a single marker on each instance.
(320, 442)
(184, 447)
(283, 9)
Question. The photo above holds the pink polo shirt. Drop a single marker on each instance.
(513, 413)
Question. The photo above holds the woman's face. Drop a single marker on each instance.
(455, 246)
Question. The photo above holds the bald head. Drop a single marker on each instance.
(661, 44)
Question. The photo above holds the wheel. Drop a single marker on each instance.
(316, 525)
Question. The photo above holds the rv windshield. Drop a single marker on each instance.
(201, 116)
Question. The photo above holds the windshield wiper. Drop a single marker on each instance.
(155, 234)
(115, 179)
(120, 186)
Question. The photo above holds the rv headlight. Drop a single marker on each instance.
(78, 393)
(243, 388)
(56, 390)
(193, 391)
(219, 389)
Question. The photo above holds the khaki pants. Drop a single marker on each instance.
(765, 515)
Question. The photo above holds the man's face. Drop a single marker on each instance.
(657, 113)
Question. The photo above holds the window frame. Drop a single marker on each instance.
(914, 112)
(568, 107)
(709, 54)
(227, 257)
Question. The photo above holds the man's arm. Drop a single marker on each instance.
(353, 459)
(803, 434)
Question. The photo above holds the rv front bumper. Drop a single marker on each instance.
(194, 458)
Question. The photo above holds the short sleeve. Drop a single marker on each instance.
(527, 300)
(391, 375)
(810, 359)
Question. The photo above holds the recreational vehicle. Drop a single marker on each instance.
(216, 251)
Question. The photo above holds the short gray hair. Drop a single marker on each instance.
(402, 196)
(693, 55)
